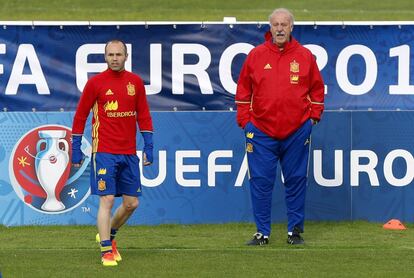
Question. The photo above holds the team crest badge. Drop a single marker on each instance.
(249, 147)
(101, 185)
(131, 89)
(294, 66)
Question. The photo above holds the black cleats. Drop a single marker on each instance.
(295, 238)
(258, 239)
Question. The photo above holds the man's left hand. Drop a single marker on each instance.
(148, 156)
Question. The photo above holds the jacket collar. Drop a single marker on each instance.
(288, 45)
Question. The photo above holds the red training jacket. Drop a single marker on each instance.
(118, 100)
(279, 90)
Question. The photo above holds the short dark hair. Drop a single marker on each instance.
(117, 41)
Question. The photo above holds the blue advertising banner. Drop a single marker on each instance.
(360, 168)
(196, 66)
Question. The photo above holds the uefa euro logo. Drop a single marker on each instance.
(40, 170)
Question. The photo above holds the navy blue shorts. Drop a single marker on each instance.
(115, 174)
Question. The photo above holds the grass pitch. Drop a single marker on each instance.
(344, 249)
(334, 249)
(201, 10)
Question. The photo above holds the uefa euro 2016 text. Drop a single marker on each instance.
(362, 162)
(26, 54)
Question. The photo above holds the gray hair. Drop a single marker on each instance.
(283, 10)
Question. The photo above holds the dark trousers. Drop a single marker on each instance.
(263, 153)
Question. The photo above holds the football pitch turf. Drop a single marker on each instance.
(200, 10)
(332, 249)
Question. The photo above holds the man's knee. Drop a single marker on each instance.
(131, 205)
(107, 201)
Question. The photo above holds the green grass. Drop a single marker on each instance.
(201, 10)
(344, 249)
(334, 249)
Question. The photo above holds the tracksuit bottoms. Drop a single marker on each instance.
(263, 153)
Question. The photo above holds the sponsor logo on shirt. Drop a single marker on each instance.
(121, 114)
(294, 79)
(111, 105)
(109, 93)
(268, 66)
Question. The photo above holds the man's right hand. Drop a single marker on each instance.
(77, 155)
